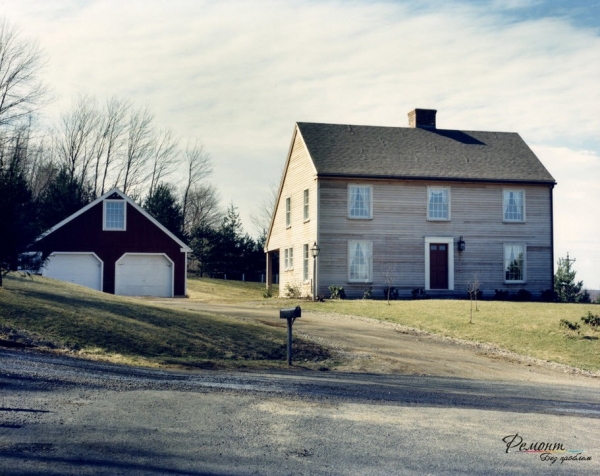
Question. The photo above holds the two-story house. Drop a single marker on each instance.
(412, 207)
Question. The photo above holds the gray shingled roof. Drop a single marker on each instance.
(406, 152)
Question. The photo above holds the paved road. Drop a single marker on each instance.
(66, 416)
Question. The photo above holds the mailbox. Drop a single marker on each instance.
(290, 312)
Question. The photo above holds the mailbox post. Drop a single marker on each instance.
(290, 313)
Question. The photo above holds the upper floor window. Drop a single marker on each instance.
(514, 205)
(360, 269)
(438, 203)
(360, 204)
(288, 212)
(306, 205)
(514, 263)
(114, 215)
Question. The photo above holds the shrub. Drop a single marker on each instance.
(591, 320)
(419, 293)
(337, 292)
(549, 295)
(500, 295)
(368, 294)
(292, 291)
(267, 293)
(523, 295)
(572, 326)
(393, 293)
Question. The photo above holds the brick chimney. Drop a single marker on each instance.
(424, 118)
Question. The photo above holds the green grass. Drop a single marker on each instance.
(122, 329)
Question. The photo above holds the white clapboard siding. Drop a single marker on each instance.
(399, 227)
(299, 175)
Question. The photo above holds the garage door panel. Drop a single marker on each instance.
(144, 275)
(84, 269)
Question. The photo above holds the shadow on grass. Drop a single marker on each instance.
(171, 336)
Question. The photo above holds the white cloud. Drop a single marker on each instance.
(238, 74)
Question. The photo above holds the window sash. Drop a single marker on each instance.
(306, 261)
(288, 211)
(514, 263)
(114, 215)
(359, 201)
(514, 205)
(360, 261)
(438, 204)
(306, 210)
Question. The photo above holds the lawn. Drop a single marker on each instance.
(531, 329)
(64, 316)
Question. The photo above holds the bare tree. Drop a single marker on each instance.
(21, 61)
(138, 150)
(198, 167)
(164, 157)
(203, 208)
(474, 289)
(109, 142)
(261, 219)
(75, 137)
(389, 274)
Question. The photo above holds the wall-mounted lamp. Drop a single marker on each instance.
(461, 244)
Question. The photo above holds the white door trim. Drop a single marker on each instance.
(450, 242)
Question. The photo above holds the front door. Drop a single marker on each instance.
(438, 266)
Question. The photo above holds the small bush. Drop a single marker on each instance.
(549, 295)
(419, 293)
(368, 294)
(591, 320)
(500, 295)
(572, 326)
(267, 293)
(523, 295)
(292, 291)
(337, 292)
(393, 293)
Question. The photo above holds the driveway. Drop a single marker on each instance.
(368, 345)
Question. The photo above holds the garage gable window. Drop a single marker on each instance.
(114, 215)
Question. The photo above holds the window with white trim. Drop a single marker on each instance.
(114, 215)
(306, 256)
(513, 205)
(288, 212)
(514, 263)
(306, 205)
(288, 258)
(438, 203)
(360, 263)
(359, 201)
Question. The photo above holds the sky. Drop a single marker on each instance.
(239, 74)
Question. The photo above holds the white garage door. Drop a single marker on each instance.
(144, 275)
(84, 269)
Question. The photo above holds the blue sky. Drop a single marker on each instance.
(239, 74)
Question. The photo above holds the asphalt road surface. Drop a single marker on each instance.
(63, 416)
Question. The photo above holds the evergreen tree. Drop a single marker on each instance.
(17, 210)
(64, 196)
(565, 287)
(163, 205)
